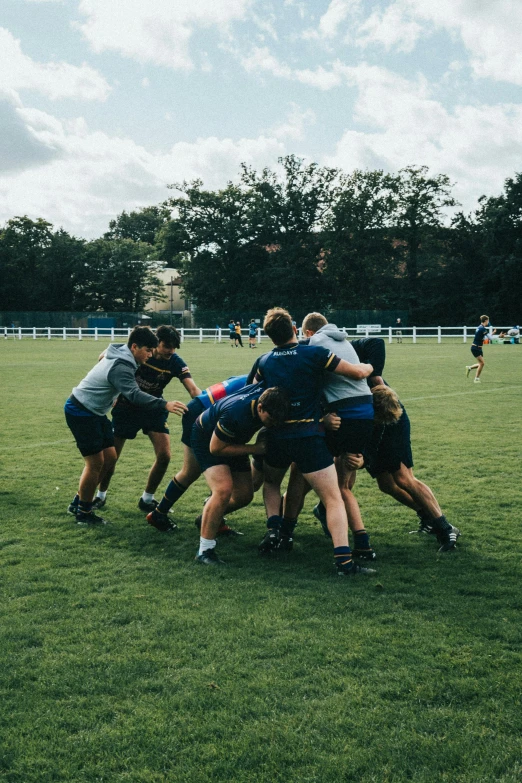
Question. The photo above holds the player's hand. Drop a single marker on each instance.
(179, 408)
(259, 448)
(331, 421)
(354, 461)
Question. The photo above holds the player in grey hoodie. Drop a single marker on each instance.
(87, 407)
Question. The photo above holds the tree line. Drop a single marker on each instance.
(307, 238)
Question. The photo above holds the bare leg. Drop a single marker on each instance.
(387, 485)
(91, 473)
(190, 470)
(242, 492)
(324, 483)
(109, 466)
(161, 443)
(295, 493)
(480, 366)
(421, 493)
(346, 479)
(272, 489)
(219, 480)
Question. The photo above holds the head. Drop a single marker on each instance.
(278, 326)
(386, 405)
(273, 407)
(141, 343)
(312, 323)
(484, 320)
(168, 341)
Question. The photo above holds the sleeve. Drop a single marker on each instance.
(227, 429)
(371, 350)
(180, 369)
(327, 360)
(121, 376)
(254, 372)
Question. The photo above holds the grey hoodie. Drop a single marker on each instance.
(337, 387)
(114, 375)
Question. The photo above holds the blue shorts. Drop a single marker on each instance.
(352, 437)
(91, 433)
(195, 407)
(200, 444)
(309, 454)
(390, 447)
(476, 351)
(128, 420)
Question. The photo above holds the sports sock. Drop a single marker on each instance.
(75, 500)
(206, 543)
(343, 557)
(101, 495)
(441, 524)
(172, 494)
(274, 522)
(288, 526)
(361, 539)
(147, 497)
(84, 506)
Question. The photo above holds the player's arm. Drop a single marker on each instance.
(227, 449)
(373, 351)
(355, 371)
(253, 375)
(121, 376)
(191, 387)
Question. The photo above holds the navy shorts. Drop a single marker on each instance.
(352, 437)
(128, 420)
(309, 454)
(195, 407)
(200, 444)
(390, 447)
(91, 433)
(476, 351)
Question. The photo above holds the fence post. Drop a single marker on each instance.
(414, 334)
(390, 337)
(201, 335)
(48, 332)
(79, 333)
(95, 332)
(439, 334)
(19, 332)
(182, 335)
(65, 333)
(220, 335)
(465, 334)
(112, 334)
(34, 332)
(367, 332)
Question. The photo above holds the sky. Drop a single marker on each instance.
(103, 103)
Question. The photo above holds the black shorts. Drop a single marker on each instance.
(200, 444)
(232, 335)
(91, 433)
(352, 437)
(128, 420)
(195, 407)
(309, 454)
(476, 351)
(390, 447)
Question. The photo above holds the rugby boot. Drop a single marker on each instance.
(161, 522)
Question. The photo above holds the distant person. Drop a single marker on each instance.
(398, 330)
(514, 333)
(237, 329)
(252, 334)
(232, 333)
(476, 348)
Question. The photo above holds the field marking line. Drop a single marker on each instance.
(459, 394)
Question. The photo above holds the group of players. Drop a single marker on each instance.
(319, 407)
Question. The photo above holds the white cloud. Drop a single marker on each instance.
(91, 177)
(157, 31)
(294, 125)
(53, 79)
(20, 145)
(261, 60)
(477, 146)
(333, 18)
(145, 82)
(392, 29)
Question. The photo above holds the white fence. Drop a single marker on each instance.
(411, 334)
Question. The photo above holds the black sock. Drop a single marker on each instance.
(84, 506)
(343, 556)
(274, 522)
(362, 539)
(172, 494)
(288, 526)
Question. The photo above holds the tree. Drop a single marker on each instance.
(141, 225)
(23, 244)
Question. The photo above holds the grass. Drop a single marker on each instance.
(121, 660)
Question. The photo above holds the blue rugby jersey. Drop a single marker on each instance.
(299, 370)
(480, 333)
(234, 419)
(220, 390)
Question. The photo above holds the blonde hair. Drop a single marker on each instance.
(313, 322)
(386, 405)
(484, 318)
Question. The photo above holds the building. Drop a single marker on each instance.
(170, 306)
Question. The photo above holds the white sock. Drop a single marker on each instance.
(101, 495)
(147, 497)
(206, 543)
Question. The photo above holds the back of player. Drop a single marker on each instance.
(476, 348)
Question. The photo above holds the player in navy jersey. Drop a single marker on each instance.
(252, 334)
(152, 377)
(220, 442)
(299, 370)
(476, 348)
(191, 470)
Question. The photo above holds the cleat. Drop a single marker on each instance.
(364, 554)
(468, 370)
(209, 558)
(448, 539)
(228, 532)
(270, 542)
(425, 526)
(89, 519)
(320, 515)
(353, 570)
(286, 543)
(476, 380)
(73, 506)
(161, 522)
(144, 506)
(98, 503)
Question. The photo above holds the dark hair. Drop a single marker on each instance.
(142, 336)
(169, 336)
(276, 402)
(278, 325)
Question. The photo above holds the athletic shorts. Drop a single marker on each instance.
(91, 433)
(195, 407)
(232, 335)
(476, 351)
(258, 462)
(309, 454)
(390, 447)
(200, 444)
(128, 421)
(352, 437)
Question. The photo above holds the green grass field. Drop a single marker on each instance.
(122, 660)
